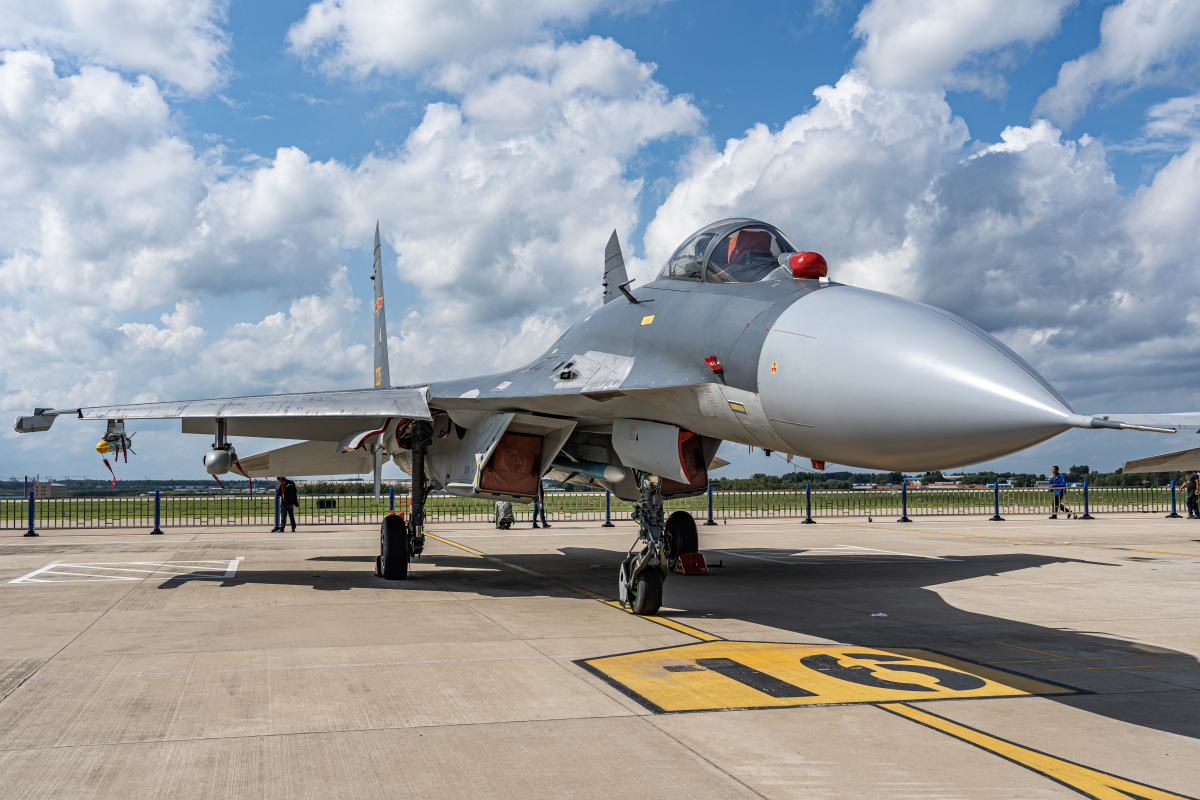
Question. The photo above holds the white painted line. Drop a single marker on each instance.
(894, 552)
(797, 556)
(98, 572)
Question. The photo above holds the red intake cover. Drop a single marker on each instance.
(808, 265)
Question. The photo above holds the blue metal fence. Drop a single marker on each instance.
(173, 511)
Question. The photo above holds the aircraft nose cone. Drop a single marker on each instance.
(870, 380)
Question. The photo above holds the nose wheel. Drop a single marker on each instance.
(640, 580)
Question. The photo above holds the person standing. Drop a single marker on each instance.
(1191, 483)
(539, 507)
(1058, 488)
(290, 501)
(278, 510)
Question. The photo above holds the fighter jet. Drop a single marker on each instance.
(741, 338)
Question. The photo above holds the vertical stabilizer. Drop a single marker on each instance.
(382, 378)
(614, 269)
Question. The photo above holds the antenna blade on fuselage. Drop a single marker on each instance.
(614, 269)
(382, 377)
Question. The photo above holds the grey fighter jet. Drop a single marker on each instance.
(741, 338)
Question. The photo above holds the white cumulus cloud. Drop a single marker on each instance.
(180, 42)
(364, 36)
(110, 215)
(1142, 43)
(923, 44)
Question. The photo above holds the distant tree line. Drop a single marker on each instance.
(794, 481)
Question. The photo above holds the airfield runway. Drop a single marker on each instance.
(946, 658)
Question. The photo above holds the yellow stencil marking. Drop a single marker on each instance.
(1085, 780)
(646, 320)
(774, 366)
(720, 675)
(378, 379)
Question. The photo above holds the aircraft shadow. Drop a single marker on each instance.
(835, 602)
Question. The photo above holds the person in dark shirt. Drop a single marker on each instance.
(290, 501)
(1191, 484)
(1058, 488)
(278, 505)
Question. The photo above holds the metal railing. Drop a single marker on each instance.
(248, 510)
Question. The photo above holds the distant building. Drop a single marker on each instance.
(45, 490)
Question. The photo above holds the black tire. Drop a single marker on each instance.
(680, 536)
(647, 592)
(393, 549)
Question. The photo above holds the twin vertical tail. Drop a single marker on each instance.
(614, 269)
(382, 378)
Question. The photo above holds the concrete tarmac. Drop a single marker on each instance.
(944, 658)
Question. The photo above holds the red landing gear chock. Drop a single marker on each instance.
(691, 564)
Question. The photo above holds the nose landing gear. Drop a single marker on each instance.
(640, 581)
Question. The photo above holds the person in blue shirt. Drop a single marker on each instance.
(539, 506)
(1191, 484)
(1058, 488)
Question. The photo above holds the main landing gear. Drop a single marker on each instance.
(640, 582)
(400, 541)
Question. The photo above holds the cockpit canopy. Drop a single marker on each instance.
(729, 251)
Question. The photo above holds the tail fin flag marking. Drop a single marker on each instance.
(614, 269)
(383, 379)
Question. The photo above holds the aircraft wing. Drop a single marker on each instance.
(403, 402)
(1167, 462)
(1186, 419)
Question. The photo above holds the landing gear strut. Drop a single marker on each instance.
(642, 573)
(398, 541)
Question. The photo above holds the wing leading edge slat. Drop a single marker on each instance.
(411, 403)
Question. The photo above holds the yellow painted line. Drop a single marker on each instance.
(1087, 781)
(455, 544)
(608, 601)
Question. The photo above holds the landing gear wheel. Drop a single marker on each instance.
(646, 592)
(393, 549)
(680, 536)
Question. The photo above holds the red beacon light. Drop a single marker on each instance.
(805, 265)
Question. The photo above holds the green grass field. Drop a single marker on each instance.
(234, 509)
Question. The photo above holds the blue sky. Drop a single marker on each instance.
(192, 186)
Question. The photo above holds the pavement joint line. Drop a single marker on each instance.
(1031, 541)
(330, 732)
(703, 636)
(1132, 666)
(86, 628)
(1085, 780)
(1031, 650)
(282, 668)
